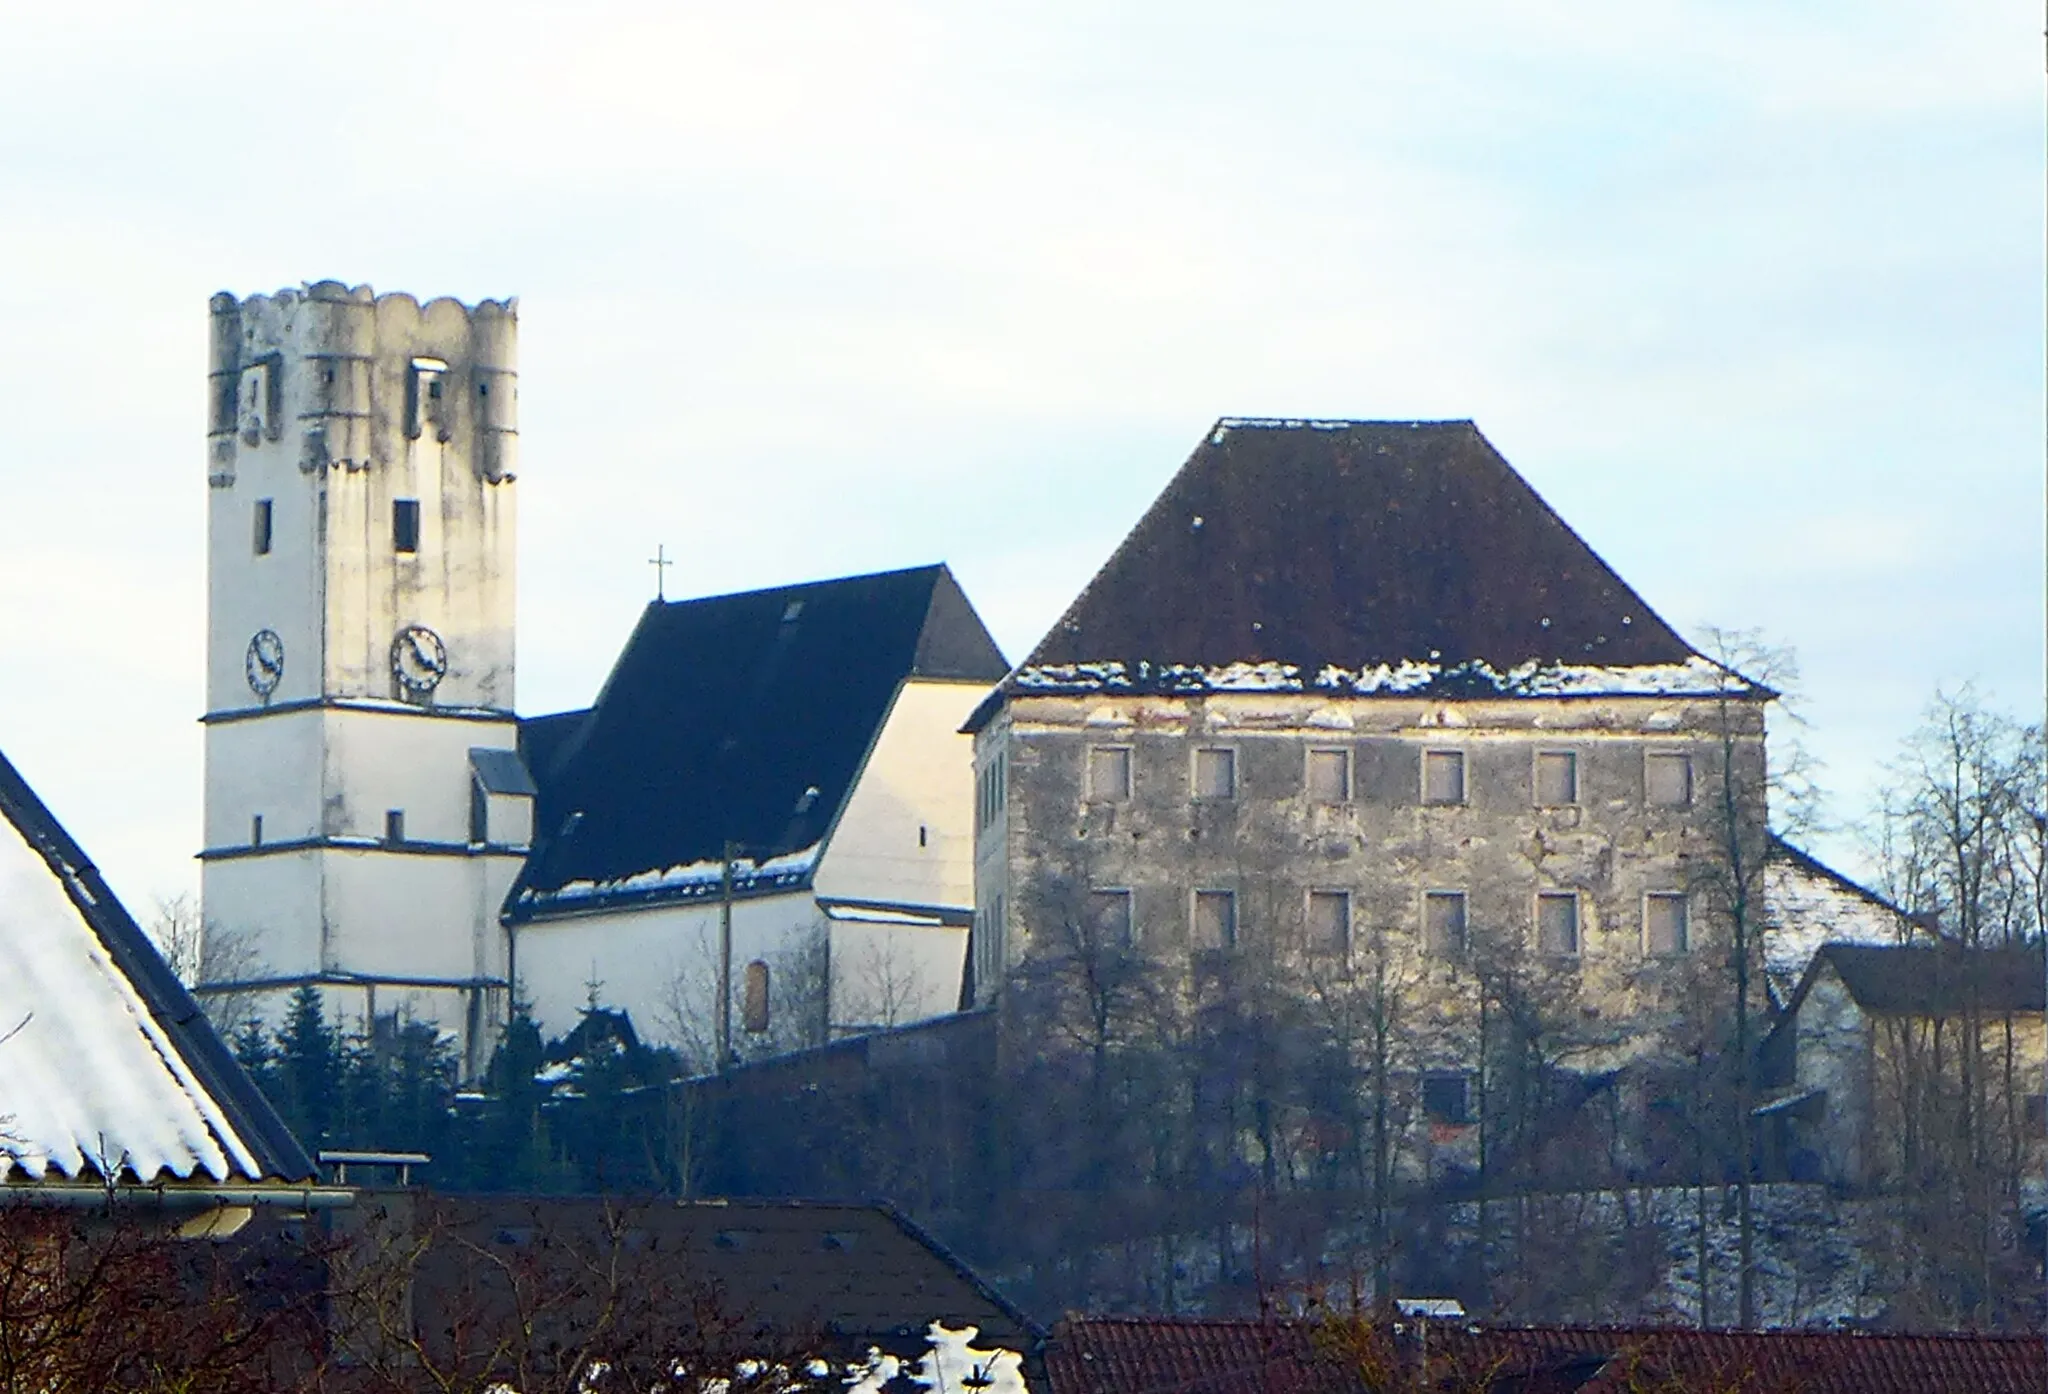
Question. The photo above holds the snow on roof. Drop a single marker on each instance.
(1695, 677)
(108, 1069)
(1810, 904)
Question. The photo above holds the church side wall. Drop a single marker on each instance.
(907, 834)
(886, 975)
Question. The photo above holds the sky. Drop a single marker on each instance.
(1751, 292)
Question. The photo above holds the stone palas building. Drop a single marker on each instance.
(1352, 702)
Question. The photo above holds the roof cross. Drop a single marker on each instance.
(661, 562)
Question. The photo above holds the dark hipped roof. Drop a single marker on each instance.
(181, 1027)
(742, 718)
(1353, 544)
(1938, 980)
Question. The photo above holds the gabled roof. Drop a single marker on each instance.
(740, 718)
(1811, 904)
(1938, 980)
(1170, 1355)
(1359, 557)
(108, 1068)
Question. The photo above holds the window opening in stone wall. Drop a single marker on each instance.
(1110, 918)
(479, 813)
(1667, 778)
(754, 1012)
(1447, 1099)
(405, 525)
(1444, 923)
(1329, 922)
(1215, 773)
(1557, 922)
(1329, 776)
(1215, 924)
(263, 518)
(1666, 927)
(1557, 778)
(1109, 773)
(1443, 776)
(394, 825)
(256, 831)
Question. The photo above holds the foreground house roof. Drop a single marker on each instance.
(1935, 980)
(740, 718)
(1359, 558)
(109, 1071)
(1182, 1356)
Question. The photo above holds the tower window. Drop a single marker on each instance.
(1109, 773)
(1557, 778)
(755, 1009)
(1665, 924)
(262, 536)
(1667, 778)
(1329, 922)
(1443, 776)
(1557, 923)
(1329, 776)
(394, 825)
(1443, 923)
(1215, 774)
(405, 525)
(1109, 913)
(1215, 919)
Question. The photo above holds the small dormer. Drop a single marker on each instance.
(501, 795)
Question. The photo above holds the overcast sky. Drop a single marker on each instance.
(1751, 291)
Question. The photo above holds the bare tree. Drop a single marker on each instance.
(201, 951)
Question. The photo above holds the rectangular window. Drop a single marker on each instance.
(1215, 774)
(256, 831)
(1444, 923)
(1109, 773)
(262, 539)
(1109, 913)
(1665, 924)
(1557, 922)
(1557, 778)
(1329, 776)
(1443, 776)
(394, 825)
(1447, 1099)
(1329, 921)
(1215, 919)
(405, 525)
(1667, 778)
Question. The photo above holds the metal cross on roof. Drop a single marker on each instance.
(661, 563)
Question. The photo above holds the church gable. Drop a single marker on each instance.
(1358, 558)
(108, 1069)
(741, 719)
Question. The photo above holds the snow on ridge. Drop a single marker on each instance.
(788, 869)
(1696, 677)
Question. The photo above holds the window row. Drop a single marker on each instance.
(1213, 921)
(405, 526)
(991, 787)
(1327, 776)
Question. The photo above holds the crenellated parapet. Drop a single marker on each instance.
(350, 377)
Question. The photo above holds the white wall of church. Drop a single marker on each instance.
(379, 762)
(887, 974)
(416, 916)
(270, 906)
(906, 836)
(268, 767)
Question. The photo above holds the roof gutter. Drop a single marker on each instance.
(83, 1196)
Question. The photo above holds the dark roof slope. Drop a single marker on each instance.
(742, 718)
(184, 1028)
(1106, 1355)
(1939, 980)
(1349, 544)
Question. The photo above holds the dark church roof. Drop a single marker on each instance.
(108, 1067)
(1358, 557)
(740, 718)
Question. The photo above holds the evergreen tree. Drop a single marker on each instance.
(308, 1065)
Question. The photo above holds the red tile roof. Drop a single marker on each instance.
(1171, 1355)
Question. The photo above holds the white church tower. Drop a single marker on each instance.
(366, 811)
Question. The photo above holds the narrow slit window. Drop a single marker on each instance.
(1329, 776)
(1444, 923)
(256, 830)
(1557, 923)
(394, 825)
(1215, 919)
(1109, 914)
(263, 521)
(754, 1013)
(1557, 778)
(1215, 773)
(1666, 925)
(1443, 776)
(405, 525)
(1109, 774)
(1667, 778)
(1329, 922)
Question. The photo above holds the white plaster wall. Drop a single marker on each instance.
(378, 761)
(272, 904)
(920, 775)
(269, 765)
(415, 916)
(652, 962)
(893, 975)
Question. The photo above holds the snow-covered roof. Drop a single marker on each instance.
(1810, 904)
(108, 1068)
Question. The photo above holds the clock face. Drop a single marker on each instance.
(264, 663)
(419, 659)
